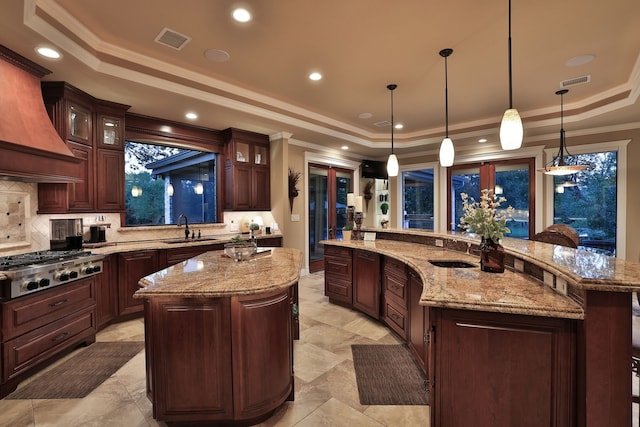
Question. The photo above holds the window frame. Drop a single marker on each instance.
(437, 177)
(620, 146)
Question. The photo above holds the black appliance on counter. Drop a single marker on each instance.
(65, 234)
(97, 233)
(24, 274)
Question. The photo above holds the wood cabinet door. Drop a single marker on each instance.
(494, 369)
(107, 292)
(262, 356)
(110, 185)
(187, 384)
(132, 267)
(260, 189)
(242, 188)
(338, 275)
(81, 194)
(366, 288)
(418, 322)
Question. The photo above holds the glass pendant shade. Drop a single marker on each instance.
(511, 131)
(447, 153)
(392, 165)
(170, 189)
(199, 188)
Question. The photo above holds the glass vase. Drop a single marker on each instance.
(491, 256)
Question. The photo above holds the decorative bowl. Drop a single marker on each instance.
(241, 251)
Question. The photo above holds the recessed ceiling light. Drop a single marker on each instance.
(345, 147)
(191, 116)
(579, 60)
(241, 15)
(482, 140)
(398, 126)
(315, 76)
(365, 115)
(48, 52)
(216, 55)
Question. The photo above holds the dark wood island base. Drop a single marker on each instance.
(223, 359)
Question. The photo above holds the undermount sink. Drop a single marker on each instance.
(185, 241)
(452, 264)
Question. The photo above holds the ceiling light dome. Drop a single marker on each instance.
(241, 15)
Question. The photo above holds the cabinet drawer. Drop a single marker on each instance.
(338, 267)
(337, 289)
(396, 288)
(396, 318)
(395, 267)
(30, 349)
(30, 312)
(338, 252)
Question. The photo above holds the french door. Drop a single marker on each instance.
(328, 188)
(511, 179)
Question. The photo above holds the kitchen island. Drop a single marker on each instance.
(548, 342)
(218, 336)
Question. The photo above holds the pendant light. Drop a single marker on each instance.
(447, 152)
(511, 127)
(558, 166)
(392, 162)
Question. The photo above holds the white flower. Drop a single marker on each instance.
(483, 217)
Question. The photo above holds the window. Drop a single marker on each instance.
(511, 179)
(418, 198)
(163, 182)
(587, 201)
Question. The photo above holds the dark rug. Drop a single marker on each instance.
(388, 375)
(79, 375)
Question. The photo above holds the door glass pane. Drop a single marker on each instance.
(318, 214)
(463, 181)
(587, 201)
(343, 186)
(512, 183)
(417, 195)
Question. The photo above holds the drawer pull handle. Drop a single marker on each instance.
(60, 337)
(57, 303)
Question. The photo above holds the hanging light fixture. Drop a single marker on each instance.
(170, 189)
(136, 191)
(447, 152)
(559, 166)
(199, 188)
(392, 162)
(511, 127)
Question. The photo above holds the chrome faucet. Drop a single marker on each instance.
(186, 225)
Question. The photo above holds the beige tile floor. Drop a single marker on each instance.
(326, 392)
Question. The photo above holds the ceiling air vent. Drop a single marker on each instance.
(172, 39)
(383, 123)
(575, 81)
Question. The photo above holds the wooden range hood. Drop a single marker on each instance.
(30, 148)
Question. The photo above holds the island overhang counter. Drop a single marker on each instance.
(218, 336)
(547, 342)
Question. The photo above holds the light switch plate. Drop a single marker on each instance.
(548, 278)
(439, 243)
(561, 286)
(518, 264)
(295, 217)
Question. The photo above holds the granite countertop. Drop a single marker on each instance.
(471, 288)
(585, 270)
(213, 274)
(108, 248)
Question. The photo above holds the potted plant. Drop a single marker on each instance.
(487, 220)
(346, 232)
(384, 207)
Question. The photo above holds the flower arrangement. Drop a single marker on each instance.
(483, 217)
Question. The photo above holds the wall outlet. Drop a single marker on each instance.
(295, 217)
(561, 286)
(439, 243)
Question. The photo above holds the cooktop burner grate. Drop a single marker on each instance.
(40, 257)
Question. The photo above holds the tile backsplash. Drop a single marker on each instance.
(23, 230)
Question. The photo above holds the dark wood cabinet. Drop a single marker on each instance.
(38, 327)
(94, 131)
(107, 292)
(133, 266)
(419, 325)
(239, 367)
(247, 171)
(395, 287)
(110, 182)
(495, 369)
(338, 274)
(366, 279)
